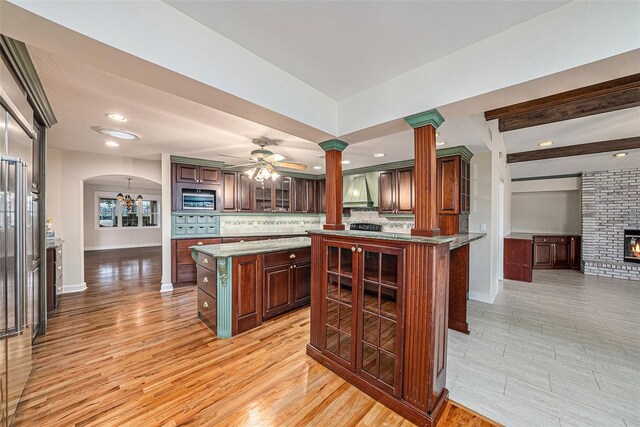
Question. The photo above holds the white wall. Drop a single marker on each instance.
(65, 196)
(546, 212)
(115, 238)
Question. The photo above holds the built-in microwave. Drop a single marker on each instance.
(199, 199)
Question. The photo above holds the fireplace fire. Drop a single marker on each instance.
(632, 246)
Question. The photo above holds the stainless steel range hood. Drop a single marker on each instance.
(357, 194)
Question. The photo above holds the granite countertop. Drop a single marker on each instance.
(224, 250)
(263, 234)
(53, 243)
(529, 236)
(456, 240)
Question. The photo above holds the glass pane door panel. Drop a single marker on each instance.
(332, 341)
(388, 334)
(346, 261)
(387, 368)
(370, 328)
(346, 286)
(371, 266)
(370, 296)
(345, 346)
(333, 259)
(370, 359)
(332, 314)
(389, 270)
(345, 318)
(333, 282)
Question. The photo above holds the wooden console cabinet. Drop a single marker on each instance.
(518, 259)
(377, 314)
(556, 252)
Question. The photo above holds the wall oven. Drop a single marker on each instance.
(198, 199)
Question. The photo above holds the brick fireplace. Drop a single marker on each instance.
(610, 205)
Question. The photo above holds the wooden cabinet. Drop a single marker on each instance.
(193, 174)
(183, 271)
(518, 259)
(286, 282)
(237, 192)
(453, 200)
(362, 298)
(556, 252)
(303, 195)
(273, 196)
(54, 277)
(396, 193)
(321, 196)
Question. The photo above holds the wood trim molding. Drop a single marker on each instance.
(537, 178)
(196, 162)
(599, 98)
(576, 150)
(20, 61)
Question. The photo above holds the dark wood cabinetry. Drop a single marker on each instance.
(54, 277)
(453, 194)
(303, 196)
(396, 192)
(376, 323)
(237, 192)
(556, 252)
(193, 174)
(183, 271)
(321, 198)
(287, 282)
(518, 259)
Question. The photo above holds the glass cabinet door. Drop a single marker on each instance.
(338, 316)
(263, 196)
(283, 194)
(380, 323)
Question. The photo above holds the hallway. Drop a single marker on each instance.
(121, 353)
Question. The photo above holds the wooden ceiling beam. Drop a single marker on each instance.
(576, 150)
(600, 98)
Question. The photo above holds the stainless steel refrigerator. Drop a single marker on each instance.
(18, 288)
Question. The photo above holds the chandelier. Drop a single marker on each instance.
(262, 171)
(128, 200)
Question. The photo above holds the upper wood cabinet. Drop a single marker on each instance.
(197, 174)
(321, 196)
(453, 187)
(396, 193)
(237, 192)
(303, 195)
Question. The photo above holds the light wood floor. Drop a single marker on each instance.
(123, 354)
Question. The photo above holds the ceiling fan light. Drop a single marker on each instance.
(274, 176)
(120, 197)
(139, 198)
(250, 172)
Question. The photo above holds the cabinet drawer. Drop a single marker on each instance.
(286, 257)
(206, 261)
(186, 274)
(186, 243)
(550, 239)
(183, 257)
(207, 310)
(207, 281)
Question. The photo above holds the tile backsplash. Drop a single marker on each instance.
(246, 225)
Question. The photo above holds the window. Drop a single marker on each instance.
(110, 213)
(107, 212)
(150, 213)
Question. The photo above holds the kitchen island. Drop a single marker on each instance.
(242, 284)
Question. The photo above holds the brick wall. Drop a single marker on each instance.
(610, 204)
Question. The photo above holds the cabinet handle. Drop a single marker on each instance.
(60, 268)
(353, 249)
(60, 251)
(359, 250)
(291, 268)
(292, 256)
(205, 280)
(205, 304)
(205, 261)
(199, 243)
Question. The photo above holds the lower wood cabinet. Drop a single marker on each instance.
(286, 283)
(183, 266)
(556, 252)
(518, 259)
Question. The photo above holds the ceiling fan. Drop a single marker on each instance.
(263, 162)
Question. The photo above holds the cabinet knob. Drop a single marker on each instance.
(59, 288)
(292, 256)
(199, 243)
(205, 304)
(205, 280)
(60, 267)
(60, 251)
(353, 249)
(359, 249)
(205, 261)
(291, 268)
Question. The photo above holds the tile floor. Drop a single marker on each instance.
(561, 351)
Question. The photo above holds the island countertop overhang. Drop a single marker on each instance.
(224, 250)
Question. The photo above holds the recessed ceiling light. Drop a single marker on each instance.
(117, 117)
(620, 154)
(345, 162)
(317, 167)
(112, 144)
(118, 133)
(440, 143)
(545, 144)
(378, 155)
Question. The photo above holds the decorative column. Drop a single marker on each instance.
(333, 170)
(424, 129)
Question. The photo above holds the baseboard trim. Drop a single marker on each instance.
(482, 297)
(69, 289)
(133, 245)
(166, 287)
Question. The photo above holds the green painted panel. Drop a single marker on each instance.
(224, 301)
(431, 117)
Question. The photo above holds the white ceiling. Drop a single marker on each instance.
(343, 48)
